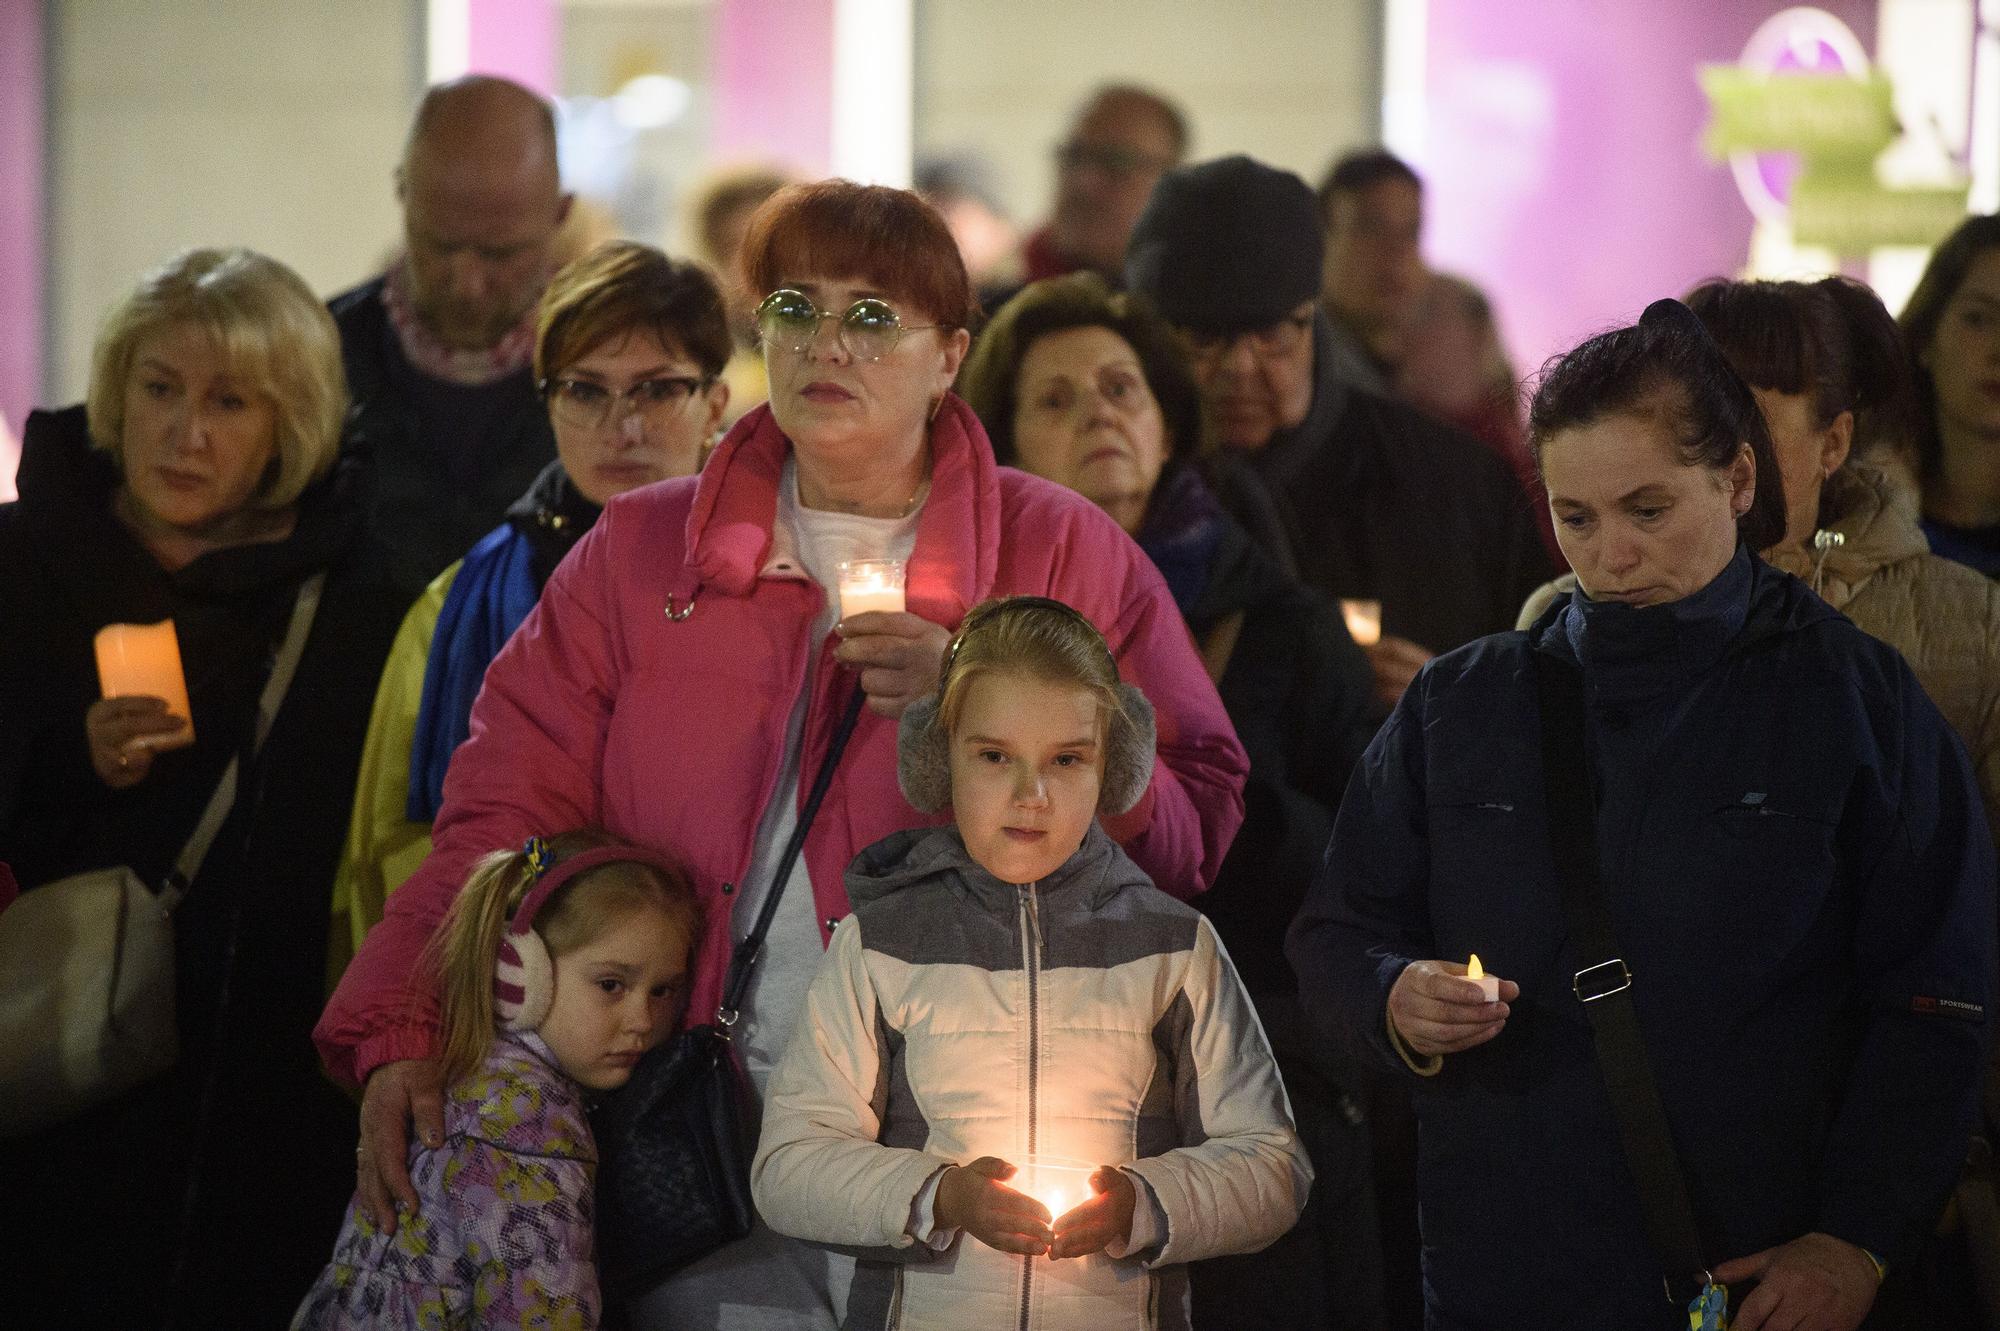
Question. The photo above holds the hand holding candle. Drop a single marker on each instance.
(973, 1198)
(896, 653)
(1395, 661)
(1103, 1220)
(1435, 1011)
(145, 707)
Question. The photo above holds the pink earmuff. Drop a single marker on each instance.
(524, 975)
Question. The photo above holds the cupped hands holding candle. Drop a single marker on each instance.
(1439, 1007)
(1103, 1220)
(976, 1199)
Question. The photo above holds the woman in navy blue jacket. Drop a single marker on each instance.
(1793, 858)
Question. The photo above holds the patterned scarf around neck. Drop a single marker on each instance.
(454, 365)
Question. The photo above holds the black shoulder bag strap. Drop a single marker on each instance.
(745, 955)
(283, 666)
(1603, 984)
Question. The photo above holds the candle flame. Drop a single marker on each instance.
(1473, 970)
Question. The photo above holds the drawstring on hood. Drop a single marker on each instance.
(1867, 522)
(1825, 541)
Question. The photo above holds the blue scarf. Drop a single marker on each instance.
(1182, 531)
(495, 589)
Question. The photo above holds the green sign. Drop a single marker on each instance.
(1837, 125)
(1849, 213)
(1819, 115)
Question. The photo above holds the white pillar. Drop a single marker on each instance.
(1405, 94)
(874, 50)
(447, 39)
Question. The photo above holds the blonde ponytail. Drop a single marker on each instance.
(461, 954)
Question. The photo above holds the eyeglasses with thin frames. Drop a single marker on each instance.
(586, 405)
(1269, 342)
(868, 330)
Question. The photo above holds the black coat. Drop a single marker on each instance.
(444, 462)
(245, 1114)
(1801, 880)
(1370, 498)
(1300, 695)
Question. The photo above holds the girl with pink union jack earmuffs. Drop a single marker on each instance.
(559, 965)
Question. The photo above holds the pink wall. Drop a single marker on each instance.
(774, 82)
(1562, 158)
(21, 242)
(516, 39)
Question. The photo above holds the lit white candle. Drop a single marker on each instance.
(1364, 621)
(1489, 985)
(1060, 1185)
(870, 584)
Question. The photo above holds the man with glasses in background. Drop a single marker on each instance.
(1367, 498)
(438, 348)
(1121, 142)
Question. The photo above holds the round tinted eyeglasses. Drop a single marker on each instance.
(868, 329)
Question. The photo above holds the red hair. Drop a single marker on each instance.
(888, 238)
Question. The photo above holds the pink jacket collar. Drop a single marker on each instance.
(957, 555)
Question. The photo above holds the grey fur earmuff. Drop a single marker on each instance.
(923, 755)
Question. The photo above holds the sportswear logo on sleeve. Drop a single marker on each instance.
(1926, 1006)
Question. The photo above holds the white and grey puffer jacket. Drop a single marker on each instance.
(1089, 1016)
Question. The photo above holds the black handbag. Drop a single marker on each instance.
(673, 1145)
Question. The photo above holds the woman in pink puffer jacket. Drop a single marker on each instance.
(681, 673)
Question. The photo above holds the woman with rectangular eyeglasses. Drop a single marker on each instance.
(628, 348)
(688, 663)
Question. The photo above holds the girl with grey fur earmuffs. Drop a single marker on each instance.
(1041, 637)
(1021, 938)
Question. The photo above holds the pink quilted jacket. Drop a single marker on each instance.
(605, 708)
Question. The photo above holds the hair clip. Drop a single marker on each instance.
(540, 857)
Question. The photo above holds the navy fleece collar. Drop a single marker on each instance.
(1633, 652)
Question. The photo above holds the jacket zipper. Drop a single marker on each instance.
(1031, 960)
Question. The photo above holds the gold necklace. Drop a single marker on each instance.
(909, 506)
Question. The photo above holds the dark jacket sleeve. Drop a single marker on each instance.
(1301, 695)
(1365, 916)
(1924, 947)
